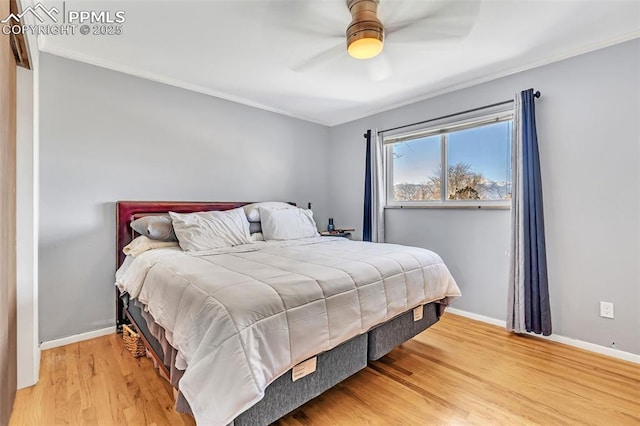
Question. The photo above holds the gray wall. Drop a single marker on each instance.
(589, 135)
(107, 136)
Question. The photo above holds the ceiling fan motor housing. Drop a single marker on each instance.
(365, 22)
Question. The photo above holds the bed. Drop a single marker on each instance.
(250, 333)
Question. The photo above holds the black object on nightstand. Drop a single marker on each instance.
(344, 233)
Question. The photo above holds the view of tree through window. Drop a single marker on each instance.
(416, 165)
(478, 165)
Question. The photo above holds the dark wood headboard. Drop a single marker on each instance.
(127, 211)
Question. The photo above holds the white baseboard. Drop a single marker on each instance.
(603, 350)
(76, 338)
(592, 347)
(489, 320)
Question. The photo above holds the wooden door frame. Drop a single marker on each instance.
(18, 42)
(8, 327)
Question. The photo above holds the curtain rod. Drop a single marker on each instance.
(536, 94)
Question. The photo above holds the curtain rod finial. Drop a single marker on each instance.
(537, 94)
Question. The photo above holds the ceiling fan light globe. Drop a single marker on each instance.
(365, 48)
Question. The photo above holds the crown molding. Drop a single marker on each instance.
(159, 78)
(66, 53)
(499, 74)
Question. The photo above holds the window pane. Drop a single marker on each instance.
(479, 163)
(416, 170)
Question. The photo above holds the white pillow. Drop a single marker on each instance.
(253, 210)
(287, 224)
(211, 230)
(141, 244)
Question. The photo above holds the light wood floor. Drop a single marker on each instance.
(458, 372)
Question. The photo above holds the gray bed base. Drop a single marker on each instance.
(396, 331)
(284, 395)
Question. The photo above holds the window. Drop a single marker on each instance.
(477, 159)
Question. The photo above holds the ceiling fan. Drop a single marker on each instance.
(365, 33)
(377, 28)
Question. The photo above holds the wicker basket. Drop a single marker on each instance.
(133, 342)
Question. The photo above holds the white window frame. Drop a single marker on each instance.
(443, 130)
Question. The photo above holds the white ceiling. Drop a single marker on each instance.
(257, 52)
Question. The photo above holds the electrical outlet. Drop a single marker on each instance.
(606, 309)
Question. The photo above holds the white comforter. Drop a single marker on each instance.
(241, 317)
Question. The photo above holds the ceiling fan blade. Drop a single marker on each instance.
(310, 18)
(443, 20)
(379, 68)
(323, 57)
(396, 10)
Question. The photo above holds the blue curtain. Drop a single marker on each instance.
(368, 200)
(536, 286)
